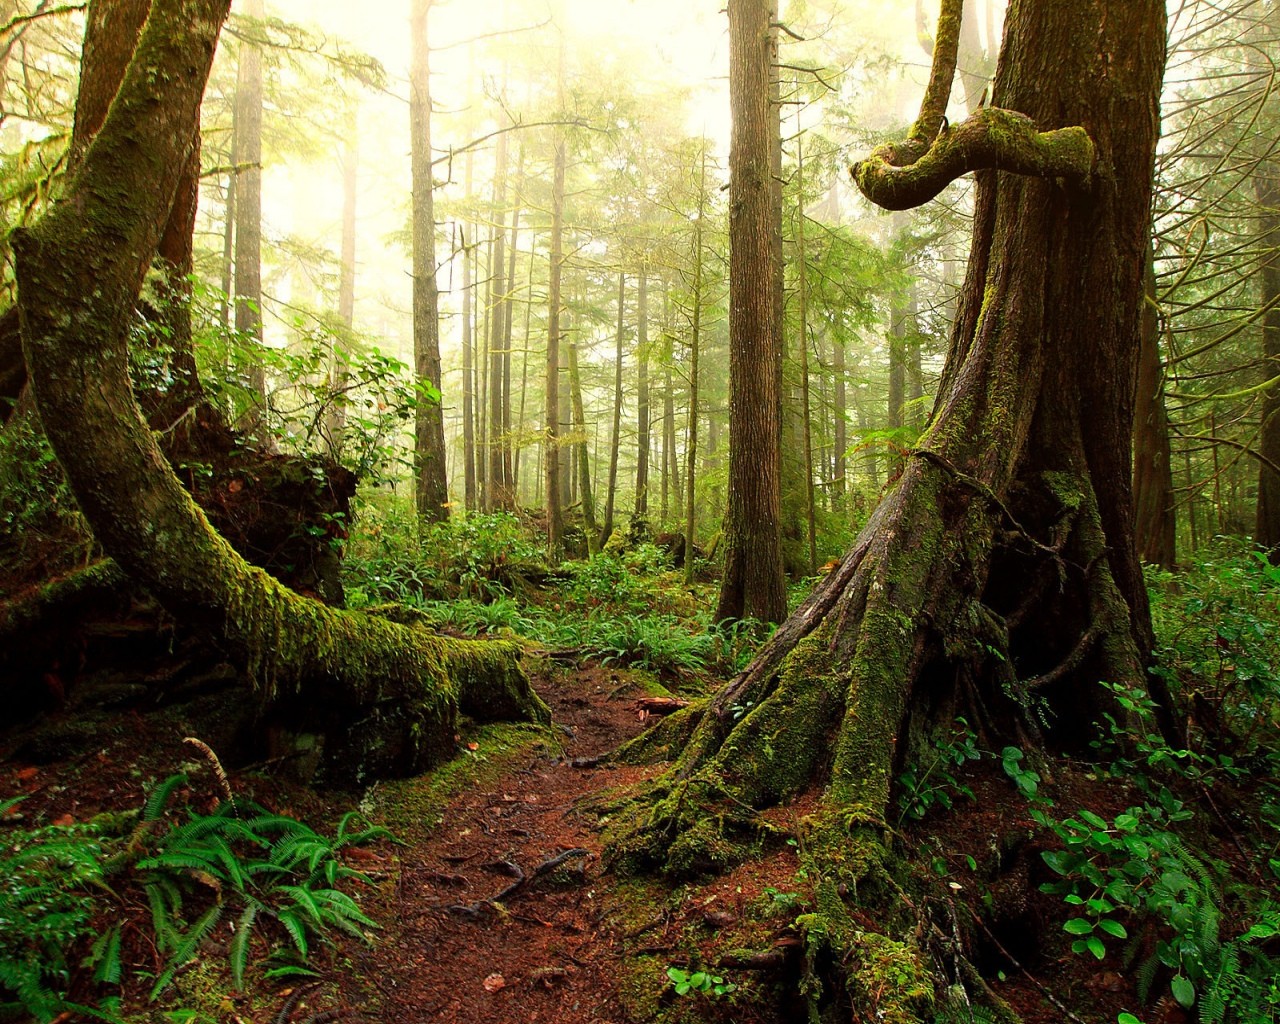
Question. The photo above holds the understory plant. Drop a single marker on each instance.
(68, 896)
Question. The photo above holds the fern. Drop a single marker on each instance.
(159, 798)
(187, 948)
(240, 942)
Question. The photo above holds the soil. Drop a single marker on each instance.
(496, 908)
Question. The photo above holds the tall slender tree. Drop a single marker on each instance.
(753, 583)
(431, 489)
(248, 207)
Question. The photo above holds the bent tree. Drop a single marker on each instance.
(383, 697)
(998, 579)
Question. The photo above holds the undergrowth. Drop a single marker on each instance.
(88, 910)
(483, 574)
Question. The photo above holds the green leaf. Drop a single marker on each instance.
(1095, 946)
(1113, 928)
(1183, 990)
(1127, 1018)
(1078, 926)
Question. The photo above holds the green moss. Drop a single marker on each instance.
(889, 980)
(665, 740)
(414, 808)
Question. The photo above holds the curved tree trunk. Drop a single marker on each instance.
(999, 576)
(387, 695)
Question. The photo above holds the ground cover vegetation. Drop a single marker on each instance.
(474, 548)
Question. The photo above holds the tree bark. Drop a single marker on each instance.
(248, 237)
(431, 489)
(753, 583)
(615, 442)
(497, 489)
(642, 402)
(389, 694)
(551, 451)
(1155, 518)
(1267, 521)
(1000, 572)
(584, 468)
(340, 373)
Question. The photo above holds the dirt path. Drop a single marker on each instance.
(498, 916)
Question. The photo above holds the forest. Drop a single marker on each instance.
(640, 512)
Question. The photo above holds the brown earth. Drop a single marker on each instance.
(496, 908)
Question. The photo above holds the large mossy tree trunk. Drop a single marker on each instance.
(385, 697)
(998, 579)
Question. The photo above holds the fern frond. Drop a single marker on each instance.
(155, 805)
(187, 948)
(292, 924)
(240, 943)
(1145, 976)
(218, 772)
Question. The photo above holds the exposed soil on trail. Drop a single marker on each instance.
(499, 914)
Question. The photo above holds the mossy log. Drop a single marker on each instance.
(390, 694)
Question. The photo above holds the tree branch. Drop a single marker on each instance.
(902, 175)
(992, 138)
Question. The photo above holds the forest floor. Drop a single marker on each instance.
(494, 906)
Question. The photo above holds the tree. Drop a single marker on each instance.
(551, 451)
(998, 577)
(248, 209)
(431, 487)
(753, 583)
(384, 696)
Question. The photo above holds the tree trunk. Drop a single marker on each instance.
(695, 345)
(753, 584)
(383, 696)
(551, 452)
(340, 373)
(840, 427)
(606, 530)
(642, 404)
(468, 372)
(497, 491)
(584, 469)
(999, 576)
(431, 489)
(1155, 517)
(248, 267)
(1267, 525)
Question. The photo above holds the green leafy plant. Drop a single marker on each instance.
(272, 878)
(51, 880)
(922, 788)
(699, 983)
(1027, 780)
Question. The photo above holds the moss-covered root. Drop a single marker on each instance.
(886, 979)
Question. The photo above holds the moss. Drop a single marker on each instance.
(890, 980)
(413, 808)
(665, 740)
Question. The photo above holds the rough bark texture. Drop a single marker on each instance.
(998, 577)
(389, 693)
(753, 583)
(1155, 519)
(431, 489)
(1267, 528)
